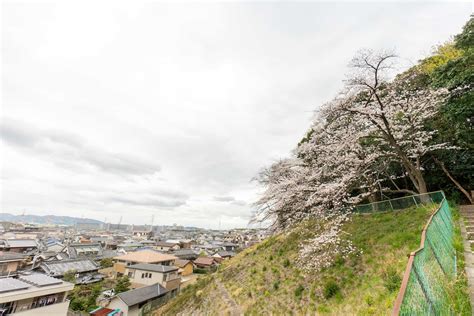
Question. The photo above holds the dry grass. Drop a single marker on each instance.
(264, 279)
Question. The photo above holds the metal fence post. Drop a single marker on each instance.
(414, 200)
(391, 206)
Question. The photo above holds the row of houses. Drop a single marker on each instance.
(159, 264)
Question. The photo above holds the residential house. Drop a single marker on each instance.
(185, 243)
(140, 301)
(84, 250)
(10, 262)
(144, 274)
(81, 267)
(34, 294)
(185, 267)
(166, 246)
(186, 254)
(143, 256)
(224, 254)
(205, 263)
(18, 245)
(129, 246)
(229, 246)
(54, 247)
(142, 233)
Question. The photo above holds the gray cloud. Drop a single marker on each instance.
(152, 202)
(214, 100)
(230, 199)
(239, 203)
(224, 198)
(67, 149)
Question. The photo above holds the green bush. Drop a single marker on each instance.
(330, 289)
(276, 285)
(106, 263)
(299, 291)
(70, 276)
(286, 263)
(123, 285)
(391, 279)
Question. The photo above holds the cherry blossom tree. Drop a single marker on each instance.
(393, 113)
(348, 155)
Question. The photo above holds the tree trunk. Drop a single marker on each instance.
(457, 184)
(421, 183)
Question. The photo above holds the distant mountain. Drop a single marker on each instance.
(47, 219)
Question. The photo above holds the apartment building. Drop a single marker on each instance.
(34, 294)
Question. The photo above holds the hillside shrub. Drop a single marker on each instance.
(276, 285)
(299, 291)
(392, 279)
(331, 288)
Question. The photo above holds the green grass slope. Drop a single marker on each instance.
(265, 279)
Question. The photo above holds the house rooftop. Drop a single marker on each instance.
(145, 256)
(226, 253)
(153, 267)
(29, 284)
(142, 294)
(59, 268)
(11, 256)
(165, 244)
(184, 252)
(181, 263)
(20, 243)
(207, 261)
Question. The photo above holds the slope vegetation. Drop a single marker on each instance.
(265, 279)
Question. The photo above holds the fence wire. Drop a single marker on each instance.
(401, 203)
(430, 269)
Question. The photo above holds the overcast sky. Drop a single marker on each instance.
(148, 108)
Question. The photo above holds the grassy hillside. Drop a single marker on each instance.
(264, 279)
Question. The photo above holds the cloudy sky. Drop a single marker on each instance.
(138, 108)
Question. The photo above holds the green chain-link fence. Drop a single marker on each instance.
(430, 269)
(401, 203)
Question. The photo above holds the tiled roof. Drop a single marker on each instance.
(146, 256)
(206, 261)
(153, 267)
(58, 268)
(165, 244)
(142, 294)
(11, 256)
(181, 263)
(21, 243)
